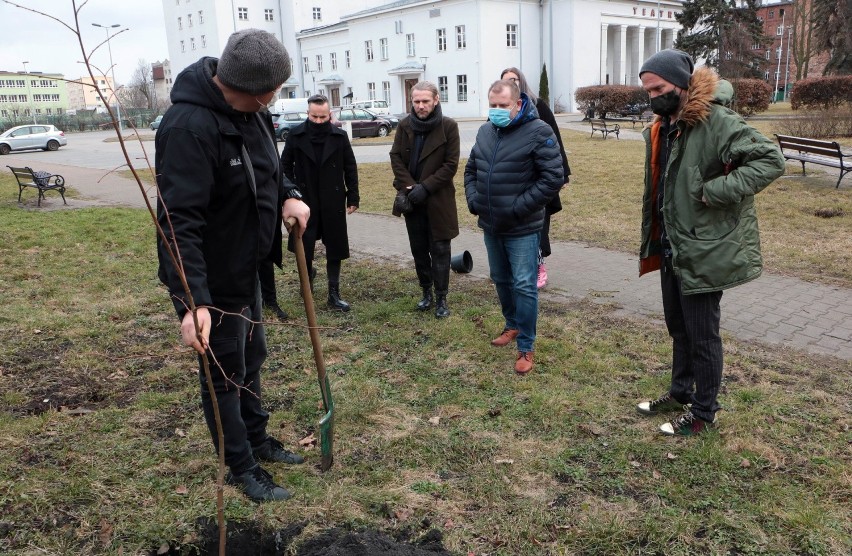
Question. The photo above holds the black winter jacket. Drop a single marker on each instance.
(206, 181)
(512, 173)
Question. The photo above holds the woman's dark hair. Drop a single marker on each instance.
(522, 83)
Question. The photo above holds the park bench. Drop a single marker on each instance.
(43, 181)
(643, 118)
(815, 151)
(604, 128)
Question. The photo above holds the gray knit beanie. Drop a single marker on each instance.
(675, 66)
(254, 62)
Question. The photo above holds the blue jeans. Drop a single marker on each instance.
(514, 269)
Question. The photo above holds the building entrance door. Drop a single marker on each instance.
(409, 83)
(335, 97)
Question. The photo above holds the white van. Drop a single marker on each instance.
(283, 105)
(379, 107)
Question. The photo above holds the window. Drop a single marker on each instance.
(768, 54)
(409, 44)
(442, 40)
(203, 41)
(386, 91)
(49, 111)
(371, 91)
(333, 57)
(512, 35)
(368, 48)
(778, 53)
(771, 14)
(461, 40)
(766, 76)
(383, 47)
(305, 65)
(200, 17)
(242, 14)
(755, 46)
(182, 46)
(180, 23)
(319, 62)
(461, 88)
(317, 14)
(397, 25)
(348, 59)
(189, 20)
(443, 89)
(192, 43)
(780, 30)
(268, 15)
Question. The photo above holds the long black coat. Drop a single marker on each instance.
(328, 186)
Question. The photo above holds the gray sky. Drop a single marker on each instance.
(51, 48)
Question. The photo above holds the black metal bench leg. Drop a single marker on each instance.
(803, 168)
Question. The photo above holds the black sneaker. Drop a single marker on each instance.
(687, 424)
(257, 484)
(272, 450)
(663, 404)
(276, 309)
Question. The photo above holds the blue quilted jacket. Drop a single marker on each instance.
(512, 173)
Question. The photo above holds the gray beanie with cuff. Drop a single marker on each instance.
(254, 62)
(675, 66)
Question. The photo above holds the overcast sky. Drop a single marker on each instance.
(49, 47)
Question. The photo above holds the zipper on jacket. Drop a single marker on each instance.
(488, 182)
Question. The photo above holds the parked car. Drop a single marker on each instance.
(156, 123)
(394, 121)
(364, 123)
(283, 123)
(30, 137)
(379, 107)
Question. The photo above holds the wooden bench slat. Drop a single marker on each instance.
(815, 151)
(48, 182)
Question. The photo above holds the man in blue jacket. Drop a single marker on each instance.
(219, 185)
(514, 170)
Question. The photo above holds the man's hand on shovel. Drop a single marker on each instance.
(294, 208)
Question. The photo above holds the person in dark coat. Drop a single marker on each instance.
(513, 171)
(319, 163)
(555, 205)
(425, 158)
(218, 203)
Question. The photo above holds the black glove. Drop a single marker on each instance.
(417, 194)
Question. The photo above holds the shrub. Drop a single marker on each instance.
(820, 124)
(822, 92)
(609, 98)
(750, 96)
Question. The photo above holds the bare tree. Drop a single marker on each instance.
(803, 44)
(139, 93)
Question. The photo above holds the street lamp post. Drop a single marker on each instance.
(112, 69)
(29, 96)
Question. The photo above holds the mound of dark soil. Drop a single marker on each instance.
(249, 538)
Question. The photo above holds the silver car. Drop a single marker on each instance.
(28, 137)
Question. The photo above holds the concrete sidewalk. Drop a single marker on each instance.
(773, 309)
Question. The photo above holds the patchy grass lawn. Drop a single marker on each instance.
(103, 449)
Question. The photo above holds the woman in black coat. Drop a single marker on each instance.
(545, 115)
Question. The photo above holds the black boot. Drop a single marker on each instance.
(276, 309)
(441, 309)
(426, 302)
(334, 301)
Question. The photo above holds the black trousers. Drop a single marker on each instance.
(697, 358)
(544, 240)
(431, 257)
(266, 275)
(237, 351)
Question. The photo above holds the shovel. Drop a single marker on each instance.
(326, 424)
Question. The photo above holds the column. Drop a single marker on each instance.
(668, 35)
(620, 66)
(638, 49)
(604, 48)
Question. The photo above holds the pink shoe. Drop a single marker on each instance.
(542, 276)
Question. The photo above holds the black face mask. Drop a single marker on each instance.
(665, 105)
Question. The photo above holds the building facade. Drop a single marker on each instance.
(83, 93)
(26, 97)
(161, 75)
(371, 49)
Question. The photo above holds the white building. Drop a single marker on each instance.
(366, 49)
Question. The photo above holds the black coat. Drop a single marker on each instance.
(328, 186)
(546, 115)
(512, 173)
(211, 194)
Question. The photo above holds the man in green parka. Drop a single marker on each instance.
(703, 166)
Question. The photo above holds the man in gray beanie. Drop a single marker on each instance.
(699, 227)
(221, 203)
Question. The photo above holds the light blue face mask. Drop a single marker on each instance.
(500, 116)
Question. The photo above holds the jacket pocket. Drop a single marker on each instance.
(708, 222)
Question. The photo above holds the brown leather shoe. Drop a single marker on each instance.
(524, 364)
(504, 338)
